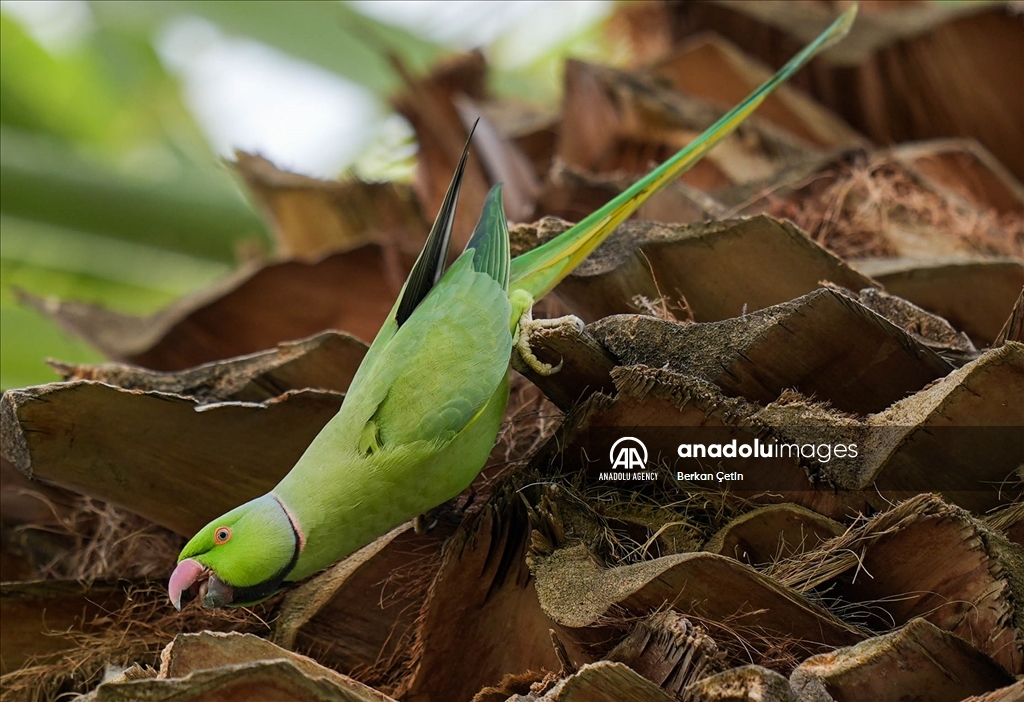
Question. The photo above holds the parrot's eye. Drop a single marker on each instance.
(221, 535)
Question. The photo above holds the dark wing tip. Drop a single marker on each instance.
(430, 264)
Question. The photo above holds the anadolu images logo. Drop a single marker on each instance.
(628, 453)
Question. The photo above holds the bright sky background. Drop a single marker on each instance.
(248, 95)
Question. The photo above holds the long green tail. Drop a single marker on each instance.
(540, 270)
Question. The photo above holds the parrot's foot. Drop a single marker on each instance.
(527, 326)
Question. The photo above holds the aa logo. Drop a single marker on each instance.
(628, 453)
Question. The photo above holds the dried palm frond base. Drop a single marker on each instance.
(134, 634)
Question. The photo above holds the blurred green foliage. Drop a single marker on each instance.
(110, 193)
(76, 130)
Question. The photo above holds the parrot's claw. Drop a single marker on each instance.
(526, 358)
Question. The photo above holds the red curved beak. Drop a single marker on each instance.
(185, 577)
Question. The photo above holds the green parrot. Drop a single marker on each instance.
(423, 411)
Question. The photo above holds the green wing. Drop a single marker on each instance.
(425, 272)
(540, 270)
(445, 362)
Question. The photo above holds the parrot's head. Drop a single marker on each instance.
(240, 558)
